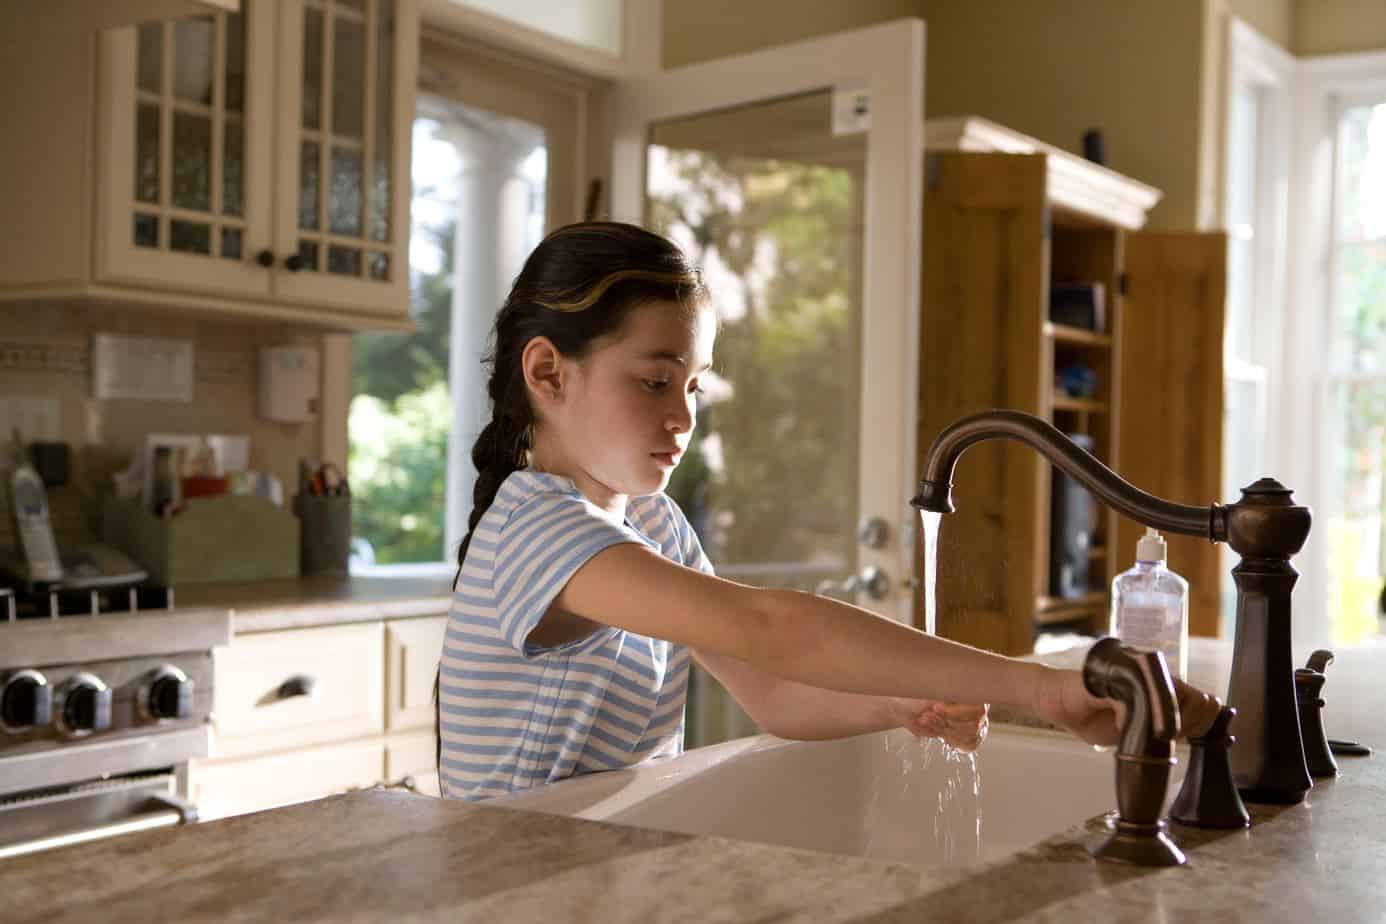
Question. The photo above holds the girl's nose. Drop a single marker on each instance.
(681, 420)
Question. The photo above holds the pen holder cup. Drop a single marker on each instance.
(325, 533)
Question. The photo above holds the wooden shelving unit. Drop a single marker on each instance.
(1005, 217)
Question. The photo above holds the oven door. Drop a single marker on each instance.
(49, 818)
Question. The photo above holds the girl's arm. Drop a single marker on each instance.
(788, 709)
(829, 644)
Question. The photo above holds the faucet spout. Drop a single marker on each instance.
(1265, 527)
(936, 485)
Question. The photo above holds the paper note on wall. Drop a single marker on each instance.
(142, 368)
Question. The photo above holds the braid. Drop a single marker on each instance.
(499, 450)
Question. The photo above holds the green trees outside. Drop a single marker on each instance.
(400, 415)
(786, 232)
(781, 487)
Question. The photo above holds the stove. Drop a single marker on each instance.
(104, 699)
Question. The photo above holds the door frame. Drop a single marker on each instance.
(888, 60)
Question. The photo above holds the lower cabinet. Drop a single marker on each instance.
(221, 788)
(305, 713)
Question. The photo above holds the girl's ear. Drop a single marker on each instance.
(543, 368)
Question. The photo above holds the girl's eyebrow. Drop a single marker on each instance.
(680, 358)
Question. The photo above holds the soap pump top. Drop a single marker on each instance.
(1151, 546)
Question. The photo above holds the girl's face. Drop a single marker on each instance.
(628, 407)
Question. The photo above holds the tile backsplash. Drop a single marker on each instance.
(46, 352)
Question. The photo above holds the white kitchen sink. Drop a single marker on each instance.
(885, 796)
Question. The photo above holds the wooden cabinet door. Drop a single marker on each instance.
(347, 75)
(1171, 395)
(413, 648)
(185, 115)
(984, 281)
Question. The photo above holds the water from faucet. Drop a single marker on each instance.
(944, 787)
(930, 521)
(954, 803)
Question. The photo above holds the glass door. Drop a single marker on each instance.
(792, 177)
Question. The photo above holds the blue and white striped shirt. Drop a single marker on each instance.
(515, 715)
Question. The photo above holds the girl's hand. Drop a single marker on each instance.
(962, 725)
(1062, 699)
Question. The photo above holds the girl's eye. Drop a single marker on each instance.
(654, 384)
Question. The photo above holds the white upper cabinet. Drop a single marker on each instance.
(345, 109)
(184, 178)
(251, 162)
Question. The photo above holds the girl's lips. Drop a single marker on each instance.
(668, 458)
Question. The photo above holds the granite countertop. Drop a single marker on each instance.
(375, 855)
(297, 603)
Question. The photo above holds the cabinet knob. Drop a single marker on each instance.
(265, 258)
(293, 263)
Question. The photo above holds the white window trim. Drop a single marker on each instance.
(1323, 87)
(1256, 62)
(641, 38)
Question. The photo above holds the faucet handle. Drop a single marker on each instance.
(1320, 659)
(1208, 797)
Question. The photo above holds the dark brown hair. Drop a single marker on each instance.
(578, 285)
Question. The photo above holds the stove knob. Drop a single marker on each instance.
(168, 695)
(86, 705)
(26, 700)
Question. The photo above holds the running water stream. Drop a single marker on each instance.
(935, 781)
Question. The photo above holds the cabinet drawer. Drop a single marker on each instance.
(284, 690)
(413, 647)
(413, 755)
(233, 787)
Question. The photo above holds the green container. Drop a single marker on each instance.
(224, 538)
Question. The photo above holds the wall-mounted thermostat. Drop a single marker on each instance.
(289, 384)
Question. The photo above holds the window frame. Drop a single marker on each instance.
(561, 101)
(1258, 64)
(1325, 87)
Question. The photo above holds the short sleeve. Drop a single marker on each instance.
(543, 543)
(690, 548)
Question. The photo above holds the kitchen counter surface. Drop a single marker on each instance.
(375, 855)
(264, 606)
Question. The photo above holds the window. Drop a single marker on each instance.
(1354, 450)
(418, 399)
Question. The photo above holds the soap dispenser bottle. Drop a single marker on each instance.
(1150, 605)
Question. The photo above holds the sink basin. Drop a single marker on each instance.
(885, 796)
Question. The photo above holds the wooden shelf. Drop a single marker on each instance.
(1063, 333)
(1059, 609)
(1066, 403)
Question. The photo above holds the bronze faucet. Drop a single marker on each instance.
(1265, 528)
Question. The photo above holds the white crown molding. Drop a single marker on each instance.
(1074, 183)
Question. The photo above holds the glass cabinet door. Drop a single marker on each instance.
(180, 123)
(343, 150)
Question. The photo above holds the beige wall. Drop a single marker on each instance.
(1275, 19)
(1049, 68)
(1323, 27)
(1149, 73)
(105, 434)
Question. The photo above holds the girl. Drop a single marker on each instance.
(582, 591)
